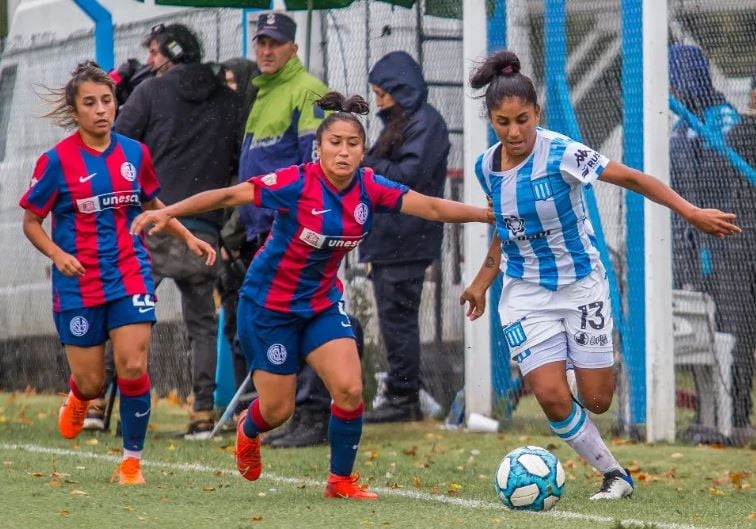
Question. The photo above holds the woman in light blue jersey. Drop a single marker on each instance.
(555, 298)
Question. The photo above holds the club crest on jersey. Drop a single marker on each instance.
(515, 334)
(541, 188)
(78, 326)
(277, 354)
(361, 213)
(514, 224)
(128, 171)
(269, 179)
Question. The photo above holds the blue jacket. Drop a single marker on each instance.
(420, 162)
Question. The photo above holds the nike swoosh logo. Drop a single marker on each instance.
(343, 324)
(87, 178)
(319, 211)
(140, 415)
(143, 310)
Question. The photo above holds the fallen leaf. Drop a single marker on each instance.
(676, 455)
(77, 492)
(208, 488)
(257, 518)
(64, 513)
(418, 483)
(92, 442)
(716, 492)
(37, 474)
(752, 516)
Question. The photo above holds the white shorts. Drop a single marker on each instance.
(531, 314)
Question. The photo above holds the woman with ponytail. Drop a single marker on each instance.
(94, 183)
(554, 303)
(290, 307)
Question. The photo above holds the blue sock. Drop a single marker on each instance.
(344, 433)
(254, 424)
(135, 411)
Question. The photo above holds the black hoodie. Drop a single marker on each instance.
(190, 121)
(419, 162)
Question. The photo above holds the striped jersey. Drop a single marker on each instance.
(541, 219)
(94, 197)
(316, 226)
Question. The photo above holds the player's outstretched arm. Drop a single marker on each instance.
(66, 263)
(225, 197)
(711, 221)
(442, 210)
(475, 294)
(197, 246)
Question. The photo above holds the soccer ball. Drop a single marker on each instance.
(529, 478)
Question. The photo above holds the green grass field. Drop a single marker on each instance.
(427, 478)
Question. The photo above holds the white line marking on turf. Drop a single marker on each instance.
(402, 493)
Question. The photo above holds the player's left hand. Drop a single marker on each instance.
(156, 217)
(714, 222)
(200, 248)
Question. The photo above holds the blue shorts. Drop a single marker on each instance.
(88, 327)
(278, 342)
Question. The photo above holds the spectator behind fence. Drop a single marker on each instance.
(703, 175)
(739, 311)
(412, 149)
(280, 132)
(694, 164)
(189, 120)
(235, 253)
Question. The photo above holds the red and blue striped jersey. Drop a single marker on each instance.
(316, 226)
(94, 197)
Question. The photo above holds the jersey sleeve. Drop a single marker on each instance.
(481, 177)
(43, 190)
(386, 194)
(581, 164)
(278, 190)
(148, 182)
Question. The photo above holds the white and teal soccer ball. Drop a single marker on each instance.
(529, 478)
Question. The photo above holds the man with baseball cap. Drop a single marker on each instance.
(280, 132)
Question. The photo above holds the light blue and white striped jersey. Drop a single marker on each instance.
(546, 236)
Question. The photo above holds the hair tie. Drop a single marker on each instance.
(507, 70)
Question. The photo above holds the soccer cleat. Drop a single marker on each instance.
(247, 452)
(71, 416)
(201, 425)
(616, 485)
(95, 418)
(347, 487)
(129, 472)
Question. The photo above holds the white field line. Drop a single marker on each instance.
(402, 493)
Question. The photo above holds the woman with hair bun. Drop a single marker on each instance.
(290, 307)
(94, 183)
(554, 303)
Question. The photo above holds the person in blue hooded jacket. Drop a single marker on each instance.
(697, 171)
(411, 149)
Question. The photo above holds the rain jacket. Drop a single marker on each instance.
(189, 120)
(420, 162)
(280, 131)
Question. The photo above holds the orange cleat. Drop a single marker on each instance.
(129, 472)
(347, 487)
(71, 416)
(247, 452)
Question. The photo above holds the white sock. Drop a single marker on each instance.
(136, 454)
(578, 431)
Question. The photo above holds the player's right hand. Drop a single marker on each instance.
(476, 297)
(156, 217)
(67, 264)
